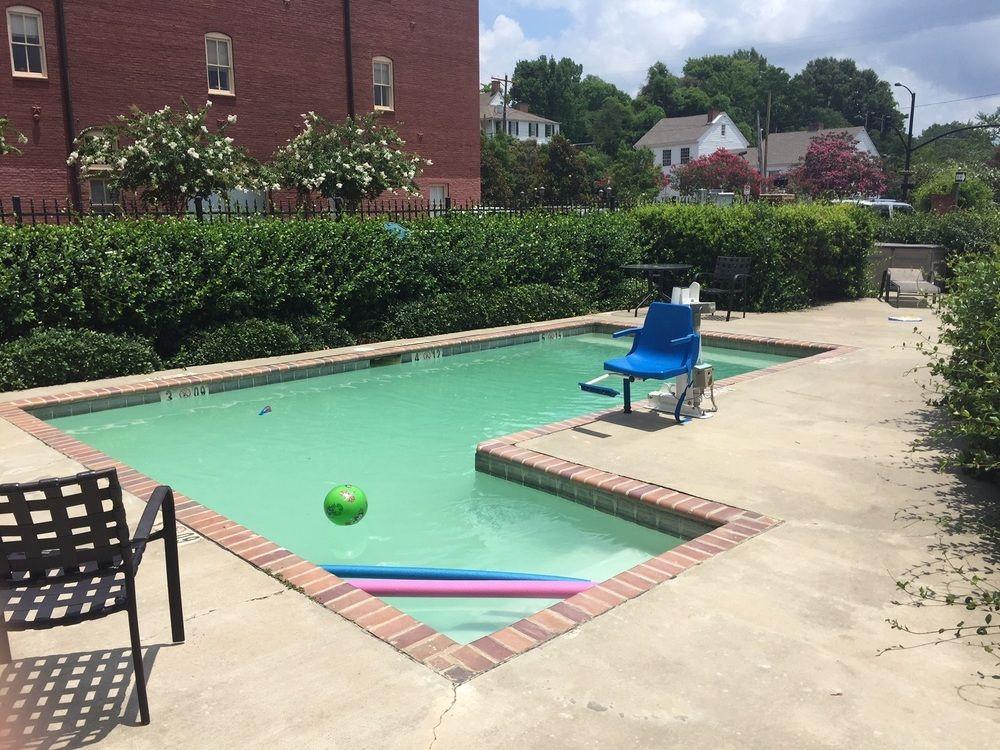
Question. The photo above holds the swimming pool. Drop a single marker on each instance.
(406, 434)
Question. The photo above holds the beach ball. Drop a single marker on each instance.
(345, 504)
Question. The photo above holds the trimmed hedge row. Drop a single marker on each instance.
(178, 283)
(959, 232)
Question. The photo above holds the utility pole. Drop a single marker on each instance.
(909, 141)
(767, 130)
(506, 81)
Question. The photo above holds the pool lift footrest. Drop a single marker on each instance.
(591, 386)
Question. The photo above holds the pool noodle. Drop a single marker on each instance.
(451, 574)
(471, 588)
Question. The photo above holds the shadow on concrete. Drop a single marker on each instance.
(68, 700)
(643, 418)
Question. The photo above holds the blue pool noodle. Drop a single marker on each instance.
(436, 574)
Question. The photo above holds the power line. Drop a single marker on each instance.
(964, 99)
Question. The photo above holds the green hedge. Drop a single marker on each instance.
(49, 356)
(171, 281)
(969, 366)
(959, 232)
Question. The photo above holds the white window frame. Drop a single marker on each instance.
(24, 10)
(667, 157)
(108, 190)
(391, 106)
(685, 155)
(550, 130)
(532, 129)
(513, 128)
(216, 37)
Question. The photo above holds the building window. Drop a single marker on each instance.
(219, 59)
(102, 195)
(27, 43)
(723, 128)
(382, 78)
(550, 130)
(512, 127)
(532, 129)
(667, 157)
(438, 199)
(685, 155)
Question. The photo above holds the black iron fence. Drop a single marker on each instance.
(18, 211)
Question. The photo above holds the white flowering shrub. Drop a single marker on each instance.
(167, 157)
(354, 160)
(5, 147)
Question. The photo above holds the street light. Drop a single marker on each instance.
(909, 139)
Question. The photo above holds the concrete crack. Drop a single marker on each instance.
(434, 732)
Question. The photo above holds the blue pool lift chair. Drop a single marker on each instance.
(664, 347)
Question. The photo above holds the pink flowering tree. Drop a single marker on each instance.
(722, 170)
(834, 168)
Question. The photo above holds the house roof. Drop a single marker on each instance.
(488, 111)
(673, 131)
(789, 148)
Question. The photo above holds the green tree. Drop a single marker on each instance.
(551, 89)
(973, 194)
(859, 95)
(564, 173)
(633, 175)
(612, 125)
(966, 147)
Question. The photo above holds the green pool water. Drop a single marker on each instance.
(406, 434)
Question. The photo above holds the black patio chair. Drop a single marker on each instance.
(66, 557)
(729, 282)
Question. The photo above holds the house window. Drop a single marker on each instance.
(219, 59)
(667, 157)
(102, 195)
(723, 128)
(512, 127)
(382, 78)
(685, 155)
(532, 129)
(27, 43)
(550, 130)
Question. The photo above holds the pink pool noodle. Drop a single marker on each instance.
(507, 589)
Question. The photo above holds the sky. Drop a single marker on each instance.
(942, 49)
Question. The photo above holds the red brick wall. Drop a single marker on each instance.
(288, 58)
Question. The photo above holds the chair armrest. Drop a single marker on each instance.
(740, 280)
(702, 275)
(626, 332)
(161, 499)
(684, 339)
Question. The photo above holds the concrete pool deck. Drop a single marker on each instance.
(771, 644)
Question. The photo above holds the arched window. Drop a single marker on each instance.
(27, 42)
(382, 80)
(219, 61)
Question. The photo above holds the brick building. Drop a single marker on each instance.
(72, 64)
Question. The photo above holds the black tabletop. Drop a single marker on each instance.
(657, 266)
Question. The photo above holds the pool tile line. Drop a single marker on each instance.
(727, 526)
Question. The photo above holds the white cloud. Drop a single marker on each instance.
(501, 45)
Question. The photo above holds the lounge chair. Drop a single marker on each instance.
(66, 557)
(729, 282)
(664, 347)
(908, 281)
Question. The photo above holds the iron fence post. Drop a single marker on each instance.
(199, 209)
(15, 204)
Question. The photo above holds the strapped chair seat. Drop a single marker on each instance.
(909, 281)
(66, 557)
(730, 281)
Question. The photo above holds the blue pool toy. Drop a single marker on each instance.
(265, 410)
(666, 346)
(436, 574)
(398, 230)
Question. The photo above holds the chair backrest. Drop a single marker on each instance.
(664, 323)
(53, 528)
(729, 266)
(906, 274)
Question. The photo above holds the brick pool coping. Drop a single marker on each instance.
(631, 498)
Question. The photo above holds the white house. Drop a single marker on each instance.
(787, 150)
(678, 140)
(521, 123)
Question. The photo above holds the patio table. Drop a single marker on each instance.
(659, 280)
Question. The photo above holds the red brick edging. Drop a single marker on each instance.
(728, 525)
